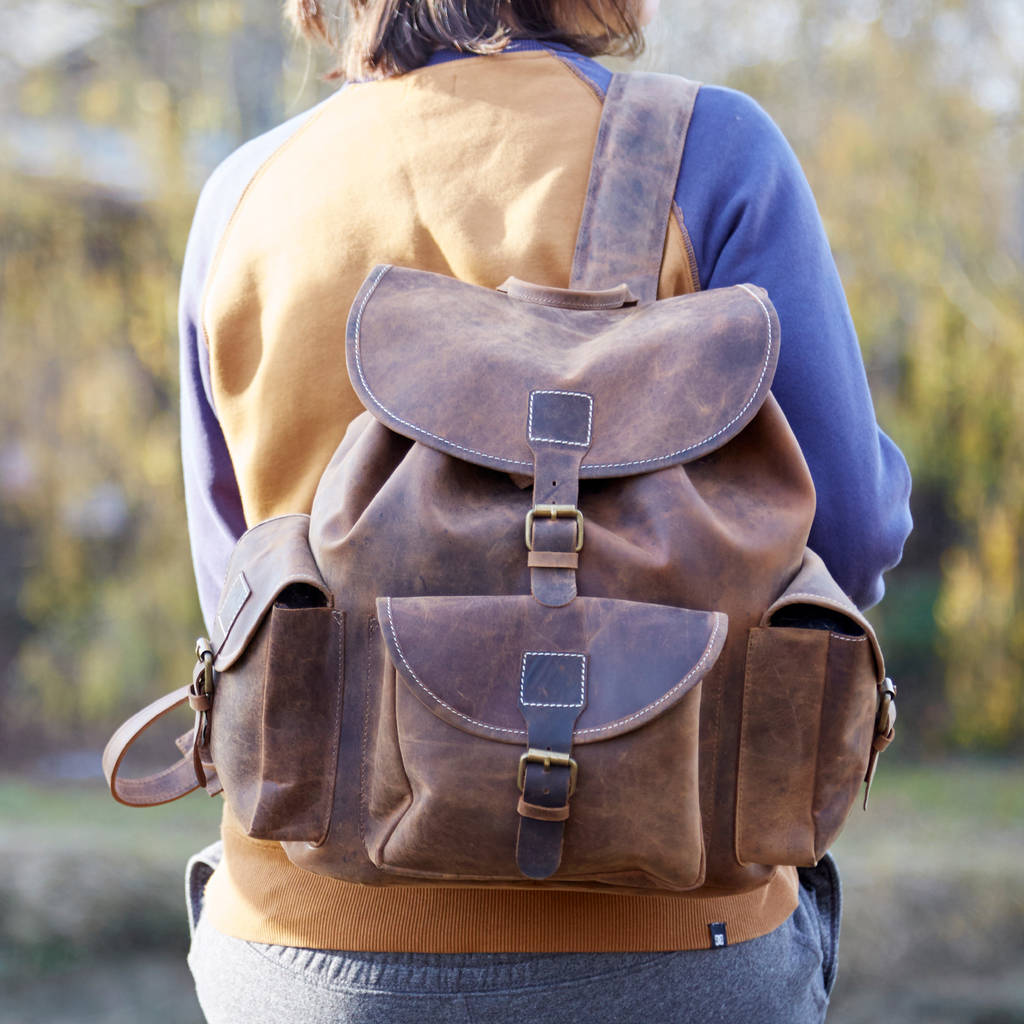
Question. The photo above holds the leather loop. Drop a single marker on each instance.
(161, 787)
(553, 560)
(539, 813)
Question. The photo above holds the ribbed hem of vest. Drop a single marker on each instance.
(257, 894)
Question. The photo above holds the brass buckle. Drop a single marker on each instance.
(555, 512)
(547, 758)
(885, 719)
(204, 655)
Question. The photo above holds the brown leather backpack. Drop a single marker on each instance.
(552, 620)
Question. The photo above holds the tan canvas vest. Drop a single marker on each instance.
(552, 621)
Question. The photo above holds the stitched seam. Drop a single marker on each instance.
(553, 654)
(232, 605)
(429, 692)
(847, 639)
(380, 405)
(577, 73)
(691, 256)
(580, 304)
(522, 462)
(823, 597)
(555, 440)
(332, 764)
(722, 430)
(257, 176)
(363, 789)
(664, 697)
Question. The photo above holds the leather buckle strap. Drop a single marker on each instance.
(559, 430)
(552, 695)
(885, 731)
(186, 774)
(548, 758)
(555, 512)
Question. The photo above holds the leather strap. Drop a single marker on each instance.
(161, 787)
(559, 431)
(552, 695)
(632, 183)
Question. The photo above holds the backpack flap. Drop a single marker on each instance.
(543, 724)
(452, 365)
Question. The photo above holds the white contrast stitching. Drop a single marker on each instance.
(848, 639)
(419, 683)
(555, 440)
(845, 604)
(522, 462)
(664, 697)
(398, 419)
(710, 437)
(559, 303)
(553, 654)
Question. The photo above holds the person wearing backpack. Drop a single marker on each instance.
(462, 146)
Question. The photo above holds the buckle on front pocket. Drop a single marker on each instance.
(547, 758)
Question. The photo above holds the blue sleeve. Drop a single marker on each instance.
(752, 218)
(212, 500)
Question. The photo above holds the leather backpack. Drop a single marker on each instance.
(552, 620)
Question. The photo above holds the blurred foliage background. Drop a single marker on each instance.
(905, 113)
(907, 117)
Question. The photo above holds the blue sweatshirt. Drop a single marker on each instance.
(751, 218)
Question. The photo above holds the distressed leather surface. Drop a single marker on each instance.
(268, 558)
(276, 724)
(670, 380)
(380, 738)
(808, 715)
(632, 182)
(642, 658)
(726, 532)
(440, 803)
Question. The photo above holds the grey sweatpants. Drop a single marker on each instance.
(780, 978)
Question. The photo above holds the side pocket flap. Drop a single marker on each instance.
(267, 559)
(463, 657)
(813, 584)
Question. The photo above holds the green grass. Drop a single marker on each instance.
(933, 928)
(82, 816)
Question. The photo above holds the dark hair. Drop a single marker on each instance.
(377, 38)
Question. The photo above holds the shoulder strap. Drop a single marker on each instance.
(632, 182)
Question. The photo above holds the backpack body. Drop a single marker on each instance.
(552, 621)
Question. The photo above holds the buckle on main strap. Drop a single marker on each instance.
(547, 758)
(555, 512)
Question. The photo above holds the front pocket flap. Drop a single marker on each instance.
(813, 584)
(464, 657)
(267, 559)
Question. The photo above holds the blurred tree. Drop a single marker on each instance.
(914, 152)
(110, 139)
(906, 115)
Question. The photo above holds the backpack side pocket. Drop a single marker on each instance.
(810, 699)
(275, 722)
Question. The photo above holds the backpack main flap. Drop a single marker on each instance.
(452, 365)
(268, 558)
(463, 657)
